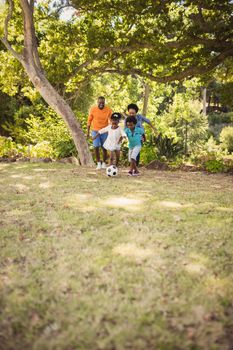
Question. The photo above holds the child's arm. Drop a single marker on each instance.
(123, 135)
(101, 131)
(121, 139)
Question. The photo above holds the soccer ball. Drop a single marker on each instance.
(112, 170)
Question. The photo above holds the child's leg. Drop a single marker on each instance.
(112, 157)
(117, 156)
(131, 164)
(135, 152)
(134, 168)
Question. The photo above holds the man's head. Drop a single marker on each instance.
(101, 102)
(132, 109)
(131, 122)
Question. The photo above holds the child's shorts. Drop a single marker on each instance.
(134, 152)
(99, 141)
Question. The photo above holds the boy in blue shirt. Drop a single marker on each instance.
(134, 135)
(133, 112)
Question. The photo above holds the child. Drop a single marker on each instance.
(134, 135)
(114, 138)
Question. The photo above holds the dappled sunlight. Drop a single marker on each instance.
(21, 187)
(90, 180)
(17, 213)
(216, 285)
(123, 202)
(16, 176)
(83, 202)
(4, 165)
(92, 173)
(130, 250)
(196, 264)
(195, 268)
(45, 185)
(173, 205)
(230, 210)
(28, 177)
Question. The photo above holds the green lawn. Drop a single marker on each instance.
(91, 262)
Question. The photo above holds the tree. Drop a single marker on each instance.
(160, 40)
(30, 60)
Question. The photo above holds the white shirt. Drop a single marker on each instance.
(112, 141)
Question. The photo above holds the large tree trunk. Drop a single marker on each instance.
(60, 106)
(30, 60)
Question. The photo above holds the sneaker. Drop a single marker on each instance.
(130, 173)
(136, 173)
(98, 166)
(104, 166)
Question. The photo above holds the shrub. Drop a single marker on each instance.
(41, 150)
(226, 138)
(214, 166)
(220, 118)
(49, 130)
(148, 153)
(8, 148)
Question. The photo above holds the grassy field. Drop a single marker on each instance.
(90, 262)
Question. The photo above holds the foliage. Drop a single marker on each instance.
(214, 166)
(10, 149)
(220, 118)
(7, 147)
(51, 129)
(115, 53)
(184, 124)
(212, 157)
(148, 153)
(210, 150)
(226, 138)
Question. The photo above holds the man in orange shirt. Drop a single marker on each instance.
(98, 119)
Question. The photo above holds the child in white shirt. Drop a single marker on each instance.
(114, 138)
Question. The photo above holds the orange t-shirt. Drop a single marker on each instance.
(99, 118)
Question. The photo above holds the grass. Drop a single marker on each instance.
(90, 262)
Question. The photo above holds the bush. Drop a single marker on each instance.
(220, 118)
(9, 149)
(41, 150)
(226, 138)
(184, 124)
(148, 153)
(214, 166)
(209, 151)
(51, 133)
(6, 146)
(213, 158)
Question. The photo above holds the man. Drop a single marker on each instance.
(133, 112)
(98, 119)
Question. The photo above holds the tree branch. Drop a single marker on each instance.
(31, 52)
(187, 73)
(4, 40)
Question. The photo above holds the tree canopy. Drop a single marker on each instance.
(160, 40)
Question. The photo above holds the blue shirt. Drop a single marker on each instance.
(134, 137)
(140, 119)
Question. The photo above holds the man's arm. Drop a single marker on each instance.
(89, 121)
(88, 131)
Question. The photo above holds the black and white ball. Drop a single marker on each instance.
(112, 171)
